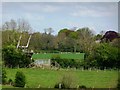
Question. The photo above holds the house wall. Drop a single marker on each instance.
(42, 62)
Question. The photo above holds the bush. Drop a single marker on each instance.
(104, 55)
(14, 57)
(20, 79)
(66, 82)
(10, 81)
(82, 87)
(4, 76)
(64, 63)
(62, 85)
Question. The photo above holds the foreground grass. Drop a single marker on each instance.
(48, 78)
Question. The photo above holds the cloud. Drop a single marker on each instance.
(50, 8)
(39, 7)
(73, 24)
(94, 10)
(91, 13)
(33, 17)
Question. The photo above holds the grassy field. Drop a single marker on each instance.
(48, 78)
(79, 56)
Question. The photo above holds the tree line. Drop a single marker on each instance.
(83, 40)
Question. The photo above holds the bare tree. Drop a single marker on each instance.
(48, 30)
(6, 26)
(86, 39)
(13, 24)
(23, 25)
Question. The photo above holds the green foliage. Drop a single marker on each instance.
(4, 76)
(13, 57)
(104, 56)
(80, 40)
(66, 40)
(66, 82)
(98, 37)
(10, 81)
(65, 30)
(65, 63)
(20, 79)
(82, 87)
(10, 37)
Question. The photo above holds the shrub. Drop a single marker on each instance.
(66, 82)
(10, 81)
(64, 63)
(104, 55)
(82, 87)
(4, 76)
(14, 57)
(20, 79)
(62, 85)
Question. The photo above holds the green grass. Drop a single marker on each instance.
(48, 78)
(79, 56)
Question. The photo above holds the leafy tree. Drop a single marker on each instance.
(35, 42)
(106, 56)
(10, 37)
(116, 43)
(73, 35)
(13, 57)
(98, 37)
(67, 40)
(20, 79)
(47, 41)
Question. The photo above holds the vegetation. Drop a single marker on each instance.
(84, 52)
(10, 81)
(104, 56)
(107, 56)
(20, 79)
(81, 40)
(13, 57)
(66, 62)
(66, 82)
(4, 76)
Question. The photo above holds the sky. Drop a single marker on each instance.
(97, 16)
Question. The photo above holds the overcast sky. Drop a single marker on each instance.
(58, 15)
